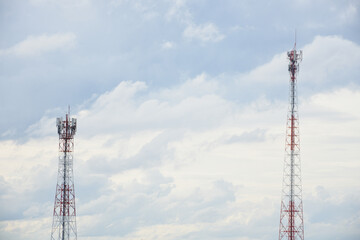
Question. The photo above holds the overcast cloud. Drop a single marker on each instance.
(181, 109)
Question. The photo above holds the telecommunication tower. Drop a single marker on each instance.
(291, 213)
(64, 216)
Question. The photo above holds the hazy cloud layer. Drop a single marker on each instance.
(76, 49)
(188, 162)
(181, 107)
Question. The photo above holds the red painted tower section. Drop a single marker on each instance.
(64, 216)
(291, 214)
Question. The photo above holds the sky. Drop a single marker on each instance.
(181, 108)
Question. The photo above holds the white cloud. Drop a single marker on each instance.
(187, 183)
(192, 104)
(205, 32)
(148, 9)
(330, 58)
(185, 162)
(37, 45)
(178, 10)
(348, 15)
(198, 86)
(276, 68)
(168, 45)
(62, 3)
(341, 101)
(326, 59)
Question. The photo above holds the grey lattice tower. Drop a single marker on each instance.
(291, 215)
(64, 216)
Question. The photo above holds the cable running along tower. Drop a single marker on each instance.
(64, 216)
(291, 213)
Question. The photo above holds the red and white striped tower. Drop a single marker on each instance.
(64, 216)
(291, 214)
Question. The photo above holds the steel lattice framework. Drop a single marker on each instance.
(291, 214)
(64, 216)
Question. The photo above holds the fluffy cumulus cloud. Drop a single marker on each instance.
(190, 162)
